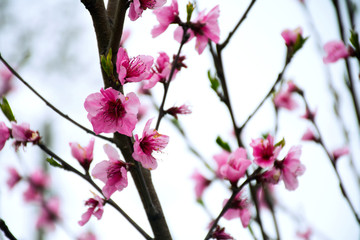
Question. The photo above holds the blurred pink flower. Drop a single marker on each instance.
(133, 69)
(174, 111)
(87, 236)
(201, 183)
(49, 214)
(22, 134)
(160, 72)
(14, 177)
(309, 135)
(205, 27)
(264, 197)
(95, 208)
(84, 155)
(238, 208)
(264, 151)
(138, 6)
(38, 182)
(109, 111)
(144, 147)
(339, 152)
(165, 16)
(290, 36)
(221, 159)
(309, 115)
(219, 233)
(283, 99)
(112, 172)
(5, 81)
(124, 37)
(305, 235)
(335, 50)
(4, 134)
(236, 166)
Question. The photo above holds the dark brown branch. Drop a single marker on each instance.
(223, 45)
(6, 230)
(50, 105)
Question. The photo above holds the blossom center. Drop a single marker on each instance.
(136, 67)
(114, 111)
(147, 4)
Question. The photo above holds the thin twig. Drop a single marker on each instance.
(50, 105)
(6, 230)
(87, 178)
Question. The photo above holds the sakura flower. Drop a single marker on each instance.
(49, 214)
(309, 115)
(291, 168)
(201, 183)
(124, 37)
(109, 111)
(264, 151)
(165, 16)
(87, 236)
(160, 72)
(335, 50)
(309, 135)
(4, 134)
(133, 69)
(144, 147)
(5, 81)
(221, 160)
(95, 208)
(38, 182)
(220, 233)
(339, 152)
(83, 154)
(113, 172)
(305, 235)
(138, 6)
(239, 207)
(22, 134)
(205, 27)
(14, 177)
(284, 99)
(236, 166)
(174, 111)
(290, 36)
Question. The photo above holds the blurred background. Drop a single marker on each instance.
(52, 45)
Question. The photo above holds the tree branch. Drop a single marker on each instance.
(6, 230)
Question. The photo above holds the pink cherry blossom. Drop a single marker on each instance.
(236, 166)
(49, 214)
(87, 236)
(144, 147)
(4, 134)
(264, 151)
(283, 99)
(138, 6)
(238, 208)
(290, 36)
(165, 16)
(201, 183)
(109, 111)
(309, 115)
(335, 50)
(305, 235)
(14, 177)
(133, 69)
(160, 72)
(113, 172)
(95, 208)
(221, 160)
(219, 233)
(84, 155)
(291, 168)
(38, 182)
(205, 27)
(174, 111)
(5, 81)
(309, 135)
(339, 152)
(22, 134)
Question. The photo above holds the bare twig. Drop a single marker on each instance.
(6, 230)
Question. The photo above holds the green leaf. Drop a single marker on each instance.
(6, 109)
(299, 43)
(53, 163)
(189, 9)
(354, 40)
(214, 82)
(222, 144)
(280, 143)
